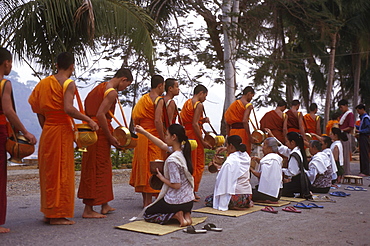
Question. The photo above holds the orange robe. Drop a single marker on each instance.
(330, 125)
(56, 153)
(310, 124)
(234, 118)
(96, 168)
(145, 151)
(197, 155)
(275, 123)
(293, 122)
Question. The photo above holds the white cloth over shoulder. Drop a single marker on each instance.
(271, 174)
(293, 167)
(236, 165)
(343, 118)
(318, 165)
(338, 144)
(328, 152)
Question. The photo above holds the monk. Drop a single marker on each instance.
(333, 122)
(54, 108)
(172, 89)
(96, 169)
(237, 117)
(275, 121)
(295, 119)
(148, 114)
(192, 117)
(312, 121)
(7, 111)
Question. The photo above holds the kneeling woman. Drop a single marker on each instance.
(175, 200)
(232, 188)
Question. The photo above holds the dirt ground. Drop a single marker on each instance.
(345, 222)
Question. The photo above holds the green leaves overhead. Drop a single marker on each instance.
(39, 30)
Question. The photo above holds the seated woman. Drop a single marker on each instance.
(175, 200)
(232, 189)
(269, 174)
(297, 162)
(320, 169)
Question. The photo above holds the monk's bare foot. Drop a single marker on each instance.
(106, 209)
(188, 219)
(61, 221)
(4, 230)
(93, 215)
(180, 217)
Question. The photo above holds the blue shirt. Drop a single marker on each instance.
(364, 127)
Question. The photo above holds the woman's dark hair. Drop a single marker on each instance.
(179, 131)
(327, 141)
(236, 141)
(341, 135)
(297, 138)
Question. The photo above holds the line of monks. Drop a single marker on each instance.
(52, 101)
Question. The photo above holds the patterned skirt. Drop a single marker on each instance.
(236, 201)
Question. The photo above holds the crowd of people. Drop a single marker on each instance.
(291, 166)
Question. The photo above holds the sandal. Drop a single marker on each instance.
(302, 205)
(314, 205)
(269, 209)
(211, 227)
(339, 193)
(192, 230)
(291, 209)
(350, 188)
(358, 188)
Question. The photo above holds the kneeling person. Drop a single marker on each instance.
(270, 174)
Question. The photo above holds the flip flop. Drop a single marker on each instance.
(192, 230)
(291, 209)
(302, 205)
(339, 193)
(350, 188)
(211, 227)
(314, 205)
(358, 188)
(269, 209)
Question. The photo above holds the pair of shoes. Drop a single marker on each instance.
(359, 188)
(291, 209)
(302, 205)
(350, 188)
(321, 199)
(269, 209)
(339, 193)
(206, 227)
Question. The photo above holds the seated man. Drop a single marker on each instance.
(269, 173)
(320, 170)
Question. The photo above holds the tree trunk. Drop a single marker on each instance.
(356, 78)
(333, 44)
(229, 10)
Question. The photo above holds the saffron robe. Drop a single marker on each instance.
(3, 167)
(96, 168)
(293, 122)
(146, 151)
(310, 124)
(234, 114)
(330, 125)
(197, 155)
(56, 153)
(275, 123)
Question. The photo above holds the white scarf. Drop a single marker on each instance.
(343, 118)
(236, 165)
(271, 174)
(328, 152)
(321, 162)
(177, 157)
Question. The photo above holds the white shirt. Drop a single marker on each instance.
(293, 167)
(338, 143)
(328, 152)
(271, 177)
(318, 165)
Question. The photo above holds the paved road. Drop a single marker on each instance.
(343, 223)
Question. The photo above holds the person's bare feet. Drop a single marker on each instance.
(93, 215)
(106, 209)
(61, 221)
(188, 219)
(180, 217)
(4, 230)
